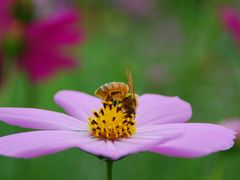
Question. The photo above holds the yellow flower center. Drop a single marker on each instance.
(112, 122)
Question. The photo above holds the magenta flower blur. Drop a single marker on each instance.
(45, 44)
(5, 16)
(231, 20)
(136, 8)
(42, 43)
(159, 127)
(233, 124)
(47, 7)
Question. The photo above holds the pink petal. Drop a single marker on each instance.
(231, 19)
(196, 140)
(40, 119)
(6, 18)
(154, 109)
(61, 28)
(233, 124)
(46, 44)
(143, 140)
(38, 143)
(77, 104)
(52, 60)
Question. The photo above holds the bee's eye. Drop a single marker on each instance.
(128, 99)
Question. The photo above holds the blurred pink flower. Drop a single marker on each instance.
(233, 124)
(45, 42)
(136, 7)
(5, 23)
(47, 7)
(160, 127)
(231, 20)
(5, 15)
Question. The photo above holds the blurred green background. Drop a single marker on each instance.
(175, 48)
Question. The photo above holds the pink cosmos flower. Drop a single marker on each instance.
(46, 7)
(45, 43)
(231, 19)
(44, 40)
(5, 16)
(233, 124)
(159, 127)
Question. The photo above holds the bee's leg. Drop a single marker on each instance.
(109, 98)
(115, 102)
(129, 111)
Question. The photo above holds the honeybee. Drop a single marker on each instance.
(119, 91)
(112, 90)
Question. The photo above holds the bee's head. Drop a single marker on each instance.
(130, 99)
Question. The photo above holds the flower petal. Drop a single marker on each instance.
(233, 124)
(231, 20)
(143, 140)
(198, 139)
(40, 119)
(154, 109)
(37, 143)
(46, 42)
(77, 104)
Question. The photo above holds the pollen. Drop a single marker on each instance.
(111, 122)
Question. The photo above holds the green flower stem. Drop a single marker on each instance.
(109, 164)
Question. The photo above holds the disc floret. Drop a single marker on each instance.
(111, 122)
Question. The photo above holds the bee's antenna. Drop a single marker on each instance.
(130, 82)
